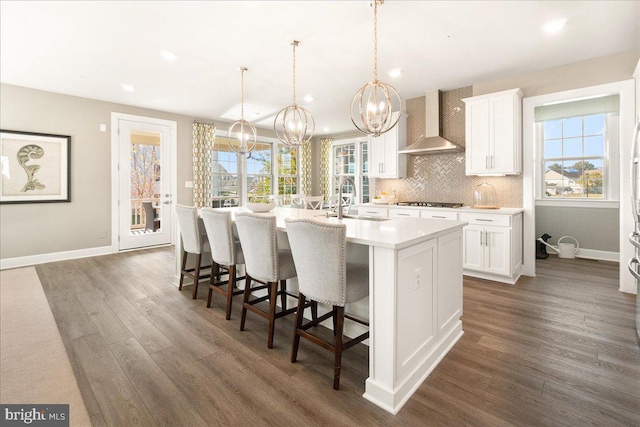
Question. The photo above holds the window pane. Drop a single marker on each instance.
(365, 157)
(553, 148)
(553, 129)
(594, 125)
(365, 189)
(594, 146)
(287, 160)
(553, 179)
(572, 147)
(259, 160)
(572, 127)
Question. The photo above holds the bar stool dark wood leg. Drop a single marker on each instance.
(298, 323)
(245, 300)
(273, 293)
(314, 310)
(230, 287)
(283, 295)
(196, 276)
(339, 313)
(183, 268)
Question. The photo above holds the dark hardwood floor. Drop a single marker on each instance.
(559, 349)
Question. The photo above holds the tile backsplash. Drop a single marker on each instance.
(441, 177)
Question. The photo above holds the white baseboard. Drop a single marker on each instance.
(52, 257)
(598, 255)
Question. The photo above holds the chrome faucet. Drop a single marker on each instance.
(353, 193)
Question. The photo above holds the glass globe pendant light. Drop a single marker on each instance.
(242, 135)
(373, 104)
(294, 125)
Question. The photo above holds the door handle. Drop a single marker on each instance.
(481, 243)
(168, 202)
(486, 162)
(486, 238)
(437, 216)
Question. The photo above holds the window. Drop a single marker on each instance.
(225, 171)
(344, 165)
(577, 142)
(288, 178)
(574, 157)
(364, 179)
(253, 176)
(259, 171)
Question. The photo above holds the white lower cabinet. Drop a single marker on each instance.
(492, 252)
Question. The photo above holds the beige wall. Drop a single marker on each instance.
(593, 72)
(32, 229)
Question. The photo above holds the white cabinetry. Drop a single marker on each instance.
(369, 211)
(492, 246)
(384, 160)
(493, 133)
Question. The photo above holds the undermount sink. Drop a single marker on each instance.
(361, 217)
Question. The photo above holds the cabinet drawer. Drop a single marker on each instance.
(404, 213)
(439, 215)
(485, 219)
(367, 211)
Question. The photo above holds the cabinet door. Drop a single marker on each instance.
(390, 156)
(376, 155)
(503, 134)
(473, 252)
(497, 250)
(477, 136)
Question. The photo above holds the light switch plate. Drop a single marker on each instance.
(188, 184)
(103, 127)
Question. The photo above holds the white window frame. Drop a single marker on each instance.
(297, 175)
(357, 176)
(242, 167)
(611, 168)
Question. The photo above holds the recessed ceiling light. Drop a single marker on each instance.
(325, 129)
(395, 73)
(168, 55)
(308, 98)
(128, 88)
(553, 27)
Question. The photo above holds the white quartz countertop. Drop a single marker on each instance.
(501, 211)
(395, 233)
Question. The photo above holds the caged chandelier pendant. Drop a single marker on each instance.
(242, 135)
(294, 125)
(373, 104)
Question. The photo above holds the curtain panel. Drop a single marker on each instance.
(325, 167)
(305, 156)
(203, 138)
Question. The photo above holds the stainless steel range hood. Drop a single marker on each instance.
(432, 142)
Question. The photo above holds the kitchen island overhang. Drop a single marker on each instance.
(415, 296)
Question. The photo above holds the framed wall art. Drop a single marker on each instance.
(36, 167)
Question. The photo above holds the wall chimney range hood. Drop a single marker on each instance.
(432, 142)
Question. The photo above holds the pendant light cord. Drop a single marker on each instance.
(375, 40)
(242, 93)
(294, 43)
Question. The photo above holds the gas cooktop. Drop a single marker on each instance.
(431, 204)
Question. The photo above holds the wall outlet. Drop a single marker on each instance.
(103, 127)
(417, 278)
(188, 184)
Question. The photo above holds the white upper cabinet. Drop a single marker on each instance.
(384, 160)
(494, 133)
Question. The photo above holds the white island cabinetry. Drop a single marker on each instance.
(415, 295)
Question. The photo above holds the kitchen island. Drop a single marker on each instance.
(415, 295)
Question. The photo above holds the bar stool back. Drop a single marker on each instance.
(319, 252)
(264, 264)
(194, 241)
(226, 253)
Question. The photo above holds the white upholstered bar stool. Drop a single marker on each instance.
(314, 202)
(265, 264)
(194, 241)
(319, 253)
(226, 253)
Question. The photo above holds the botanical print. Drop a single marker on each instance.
(42, 178)
(35, 167)
(24, 155)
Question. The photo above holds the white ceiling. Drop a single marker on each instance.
(90, 49)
